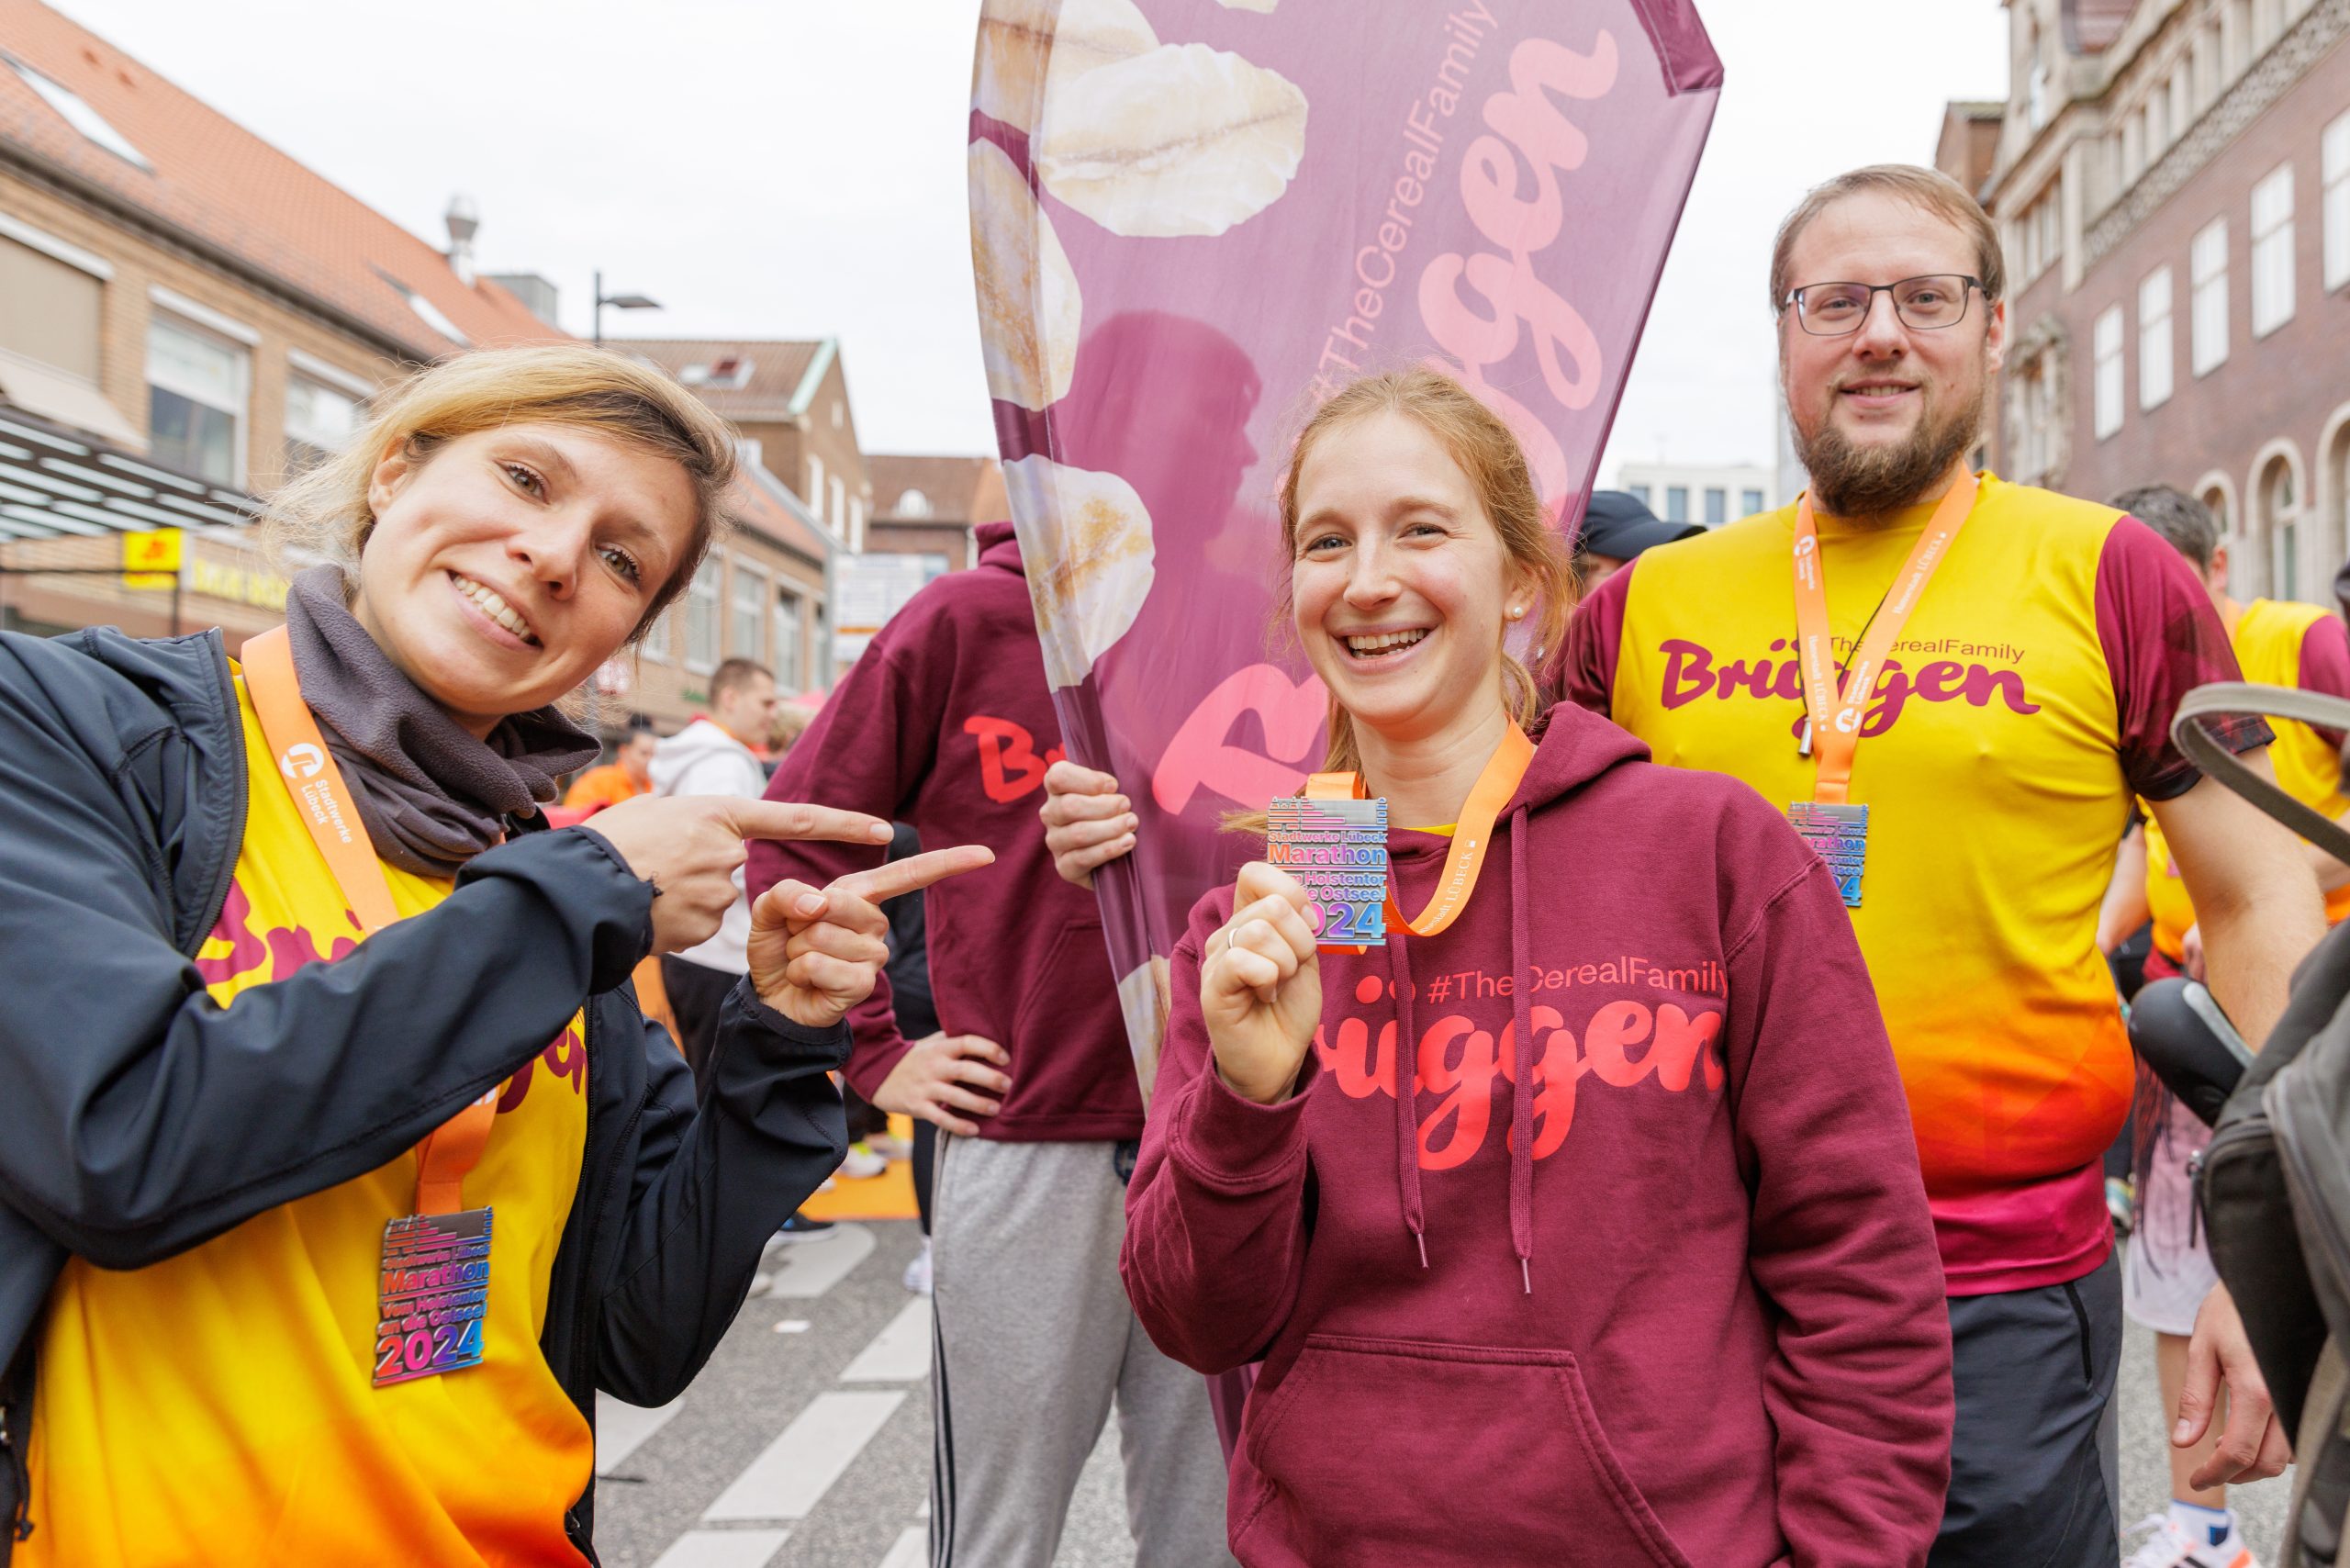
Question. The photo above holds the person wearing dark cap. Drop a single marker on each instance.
(1617, 527)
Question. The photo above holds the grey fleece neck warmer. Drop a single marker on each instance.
(431, 795)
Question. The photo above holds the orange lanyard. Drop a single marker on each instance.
(1835, 720)
(325, 805)
(1471, 836)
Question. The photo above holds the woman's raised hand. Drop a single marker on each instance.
(690, 846)
(1260, 985)
(815, 952)
(1087, 823)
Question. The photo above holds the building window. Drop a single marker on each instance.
(2272, 252)
(857, 524)
(49, 310)
(2280, 502)
(2107, 352)
(196, 384)
(1639, 493)
(701, 617)
(2154, 339)
(786, 642)
(1676, 503)
(839, 507)
(1749, 502)
(2209, 264)
(2336, 172)
(913, 503)
(815, 497)
(655, 645)
(1717, 505)
(2182, 110)
(746, 628)
(319, 422)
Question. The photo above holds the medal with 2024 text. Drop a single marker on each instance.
(1829, 822)
(1338, 850)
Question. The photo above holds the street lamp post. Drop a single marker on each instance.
(618, 302)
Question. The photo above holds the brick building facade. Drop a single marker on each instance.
(2172, 183)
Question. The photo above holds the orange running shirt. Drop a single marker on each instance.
(602, 787)
(218, 1407)
(2278, 643)
(2026, 701)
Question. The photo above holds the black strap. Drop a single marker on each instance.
(2238, 698)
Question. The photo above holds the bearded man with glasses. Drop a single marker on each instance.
(1954, 686)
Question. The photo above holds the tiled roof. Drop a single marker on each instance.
(211, 181)
(2091, 26)
(760, 502)
(742, 380)
(951, 485)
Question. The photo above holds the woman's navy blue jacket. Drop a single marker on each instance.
(138, 1119)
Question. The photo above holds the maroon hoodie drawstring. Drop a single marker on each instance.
(1521, 1109)
(1407, 1103)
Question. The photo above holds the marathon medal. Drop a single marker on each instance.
(1337, 849)
(1841, 835)
(433, 1296)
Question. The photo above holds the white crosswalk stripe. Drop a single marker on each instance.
(808, 1269)
(797, 1469)
(900, 1353)
(723, 1549)
(910, 1550)
(621, 1428)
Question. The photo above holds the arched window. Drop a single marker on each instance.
(2276, 493)
(913, 503)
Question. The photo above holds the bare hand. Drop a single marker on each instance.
(814, 955)
(1087, 823)
(1260, 985)
(2253, 1446)
(690, 848)
(2191, 952)
(944, 1070)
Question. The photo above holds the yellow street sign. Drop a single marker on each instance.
(151, 559)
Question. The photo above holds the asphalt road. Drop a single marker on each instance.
(805, 1443)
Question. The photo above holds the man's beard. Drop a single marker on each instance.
(1857, 482)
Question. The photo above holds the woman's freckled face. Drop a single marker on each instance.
(1400, 581)
(506, 565)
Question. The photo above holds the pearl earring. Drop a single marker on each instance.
(1517, 612)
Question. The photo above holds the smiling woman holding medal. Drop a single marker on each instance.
(1670, 1297)
(337, 1167)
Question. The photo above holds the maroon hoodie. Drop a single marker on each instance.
(947, 724)
(1680, 1301)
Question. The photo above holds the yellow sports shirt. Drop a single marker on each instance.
(2027, 699)
(218, 1407)
(2277, 642)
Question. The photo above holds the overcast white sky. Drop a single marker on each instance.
(794, 168)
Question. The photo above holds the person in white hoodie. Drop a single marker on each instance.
(712, 755)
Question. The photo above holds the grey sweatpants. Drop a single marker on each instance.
(1034, 1341)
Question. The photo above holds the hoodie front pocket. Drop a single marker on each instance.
(1419, 1455)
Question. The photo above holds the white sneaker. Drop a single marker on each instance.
(861, 1163)
(2167, 1546)
(889, 1146)
(918, 1271)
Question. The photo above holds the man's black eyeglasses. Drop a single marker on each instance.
(1924, 304)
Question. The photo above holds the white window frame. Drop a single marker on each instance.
(655, 645)
(750, 583)
(2106, 338)
(2335, 178)
(704, 597)
(241, 415)
(816, 486)
(2272, 251)
(790, 639)
(2157, 335)
(56, 250)
(840, 508)
(2209, 308)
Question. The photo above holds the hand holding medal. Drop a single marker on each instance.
(1260, 985)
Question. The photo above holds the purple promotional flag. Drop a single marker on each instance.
(1193, 220)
